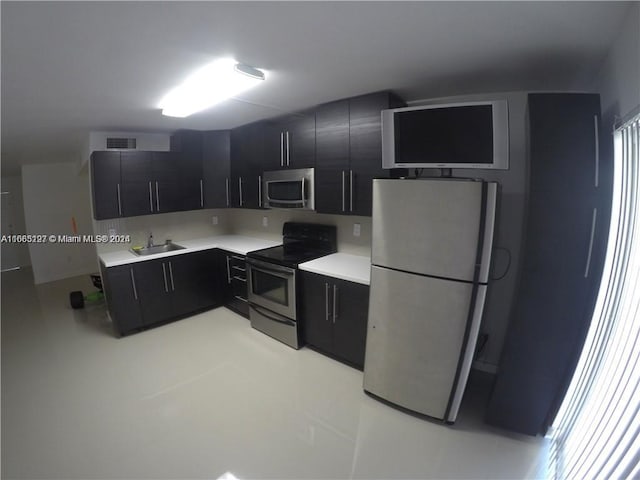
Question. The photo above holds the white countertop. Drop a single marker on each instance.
(234, 243)
(354, 268)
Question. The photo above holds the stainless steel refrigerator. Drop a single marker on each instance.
(431, 249)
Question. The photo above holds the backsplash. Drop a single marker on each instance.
(175, 226)
(250, 223)
(199, 223)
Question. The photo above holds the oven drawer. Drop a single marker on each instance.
(281, 328)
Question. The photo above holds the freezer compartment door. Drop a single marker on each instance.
(415, 336)
(430, 227)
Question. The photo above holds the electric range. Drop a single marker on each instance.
(272, 276)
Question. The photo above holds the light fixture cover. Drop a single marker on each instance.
(211, 84)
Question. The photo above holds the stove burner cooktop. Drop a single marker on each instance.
(302, 242)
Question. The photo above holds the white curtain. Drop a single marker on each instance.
(597, 431)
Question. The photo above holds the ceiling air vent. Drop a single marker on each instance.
(121, 143)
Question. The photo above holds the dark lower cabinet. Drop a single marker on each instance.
(123, 301)
(234, 269)
(151, 292)
(562, 261)
(334, 316)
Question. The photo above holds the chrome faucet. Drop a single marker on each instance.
(150, 240)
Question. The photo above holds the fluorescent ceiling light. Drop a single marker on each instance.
(211, 84)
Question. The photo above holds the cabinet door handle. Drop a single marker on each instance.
(326, 301)
(240, 189)
(157, 199)
(282, 149)
(201, 195)
(260, 190)
(287, 136)
(150, 198)
(173, 287)
(593, 232)
(597, 147)
(133, 284)
(164, 274)
(343, 204)
(335, 300)
(226, 185)
(119, 201)
(228, 270)
(351, 190)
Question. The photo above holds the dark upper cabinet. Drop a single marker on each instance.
(349, 152)
(137, 185)
(105, 179)
(562, 260)
(332, 157)
(334, 316)
(216, 172)
(247, 153)
(290, 141)
(176, 184)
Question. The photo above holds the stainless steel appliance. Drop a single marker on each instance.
(272, 277)
(431, 249)
(289, 189)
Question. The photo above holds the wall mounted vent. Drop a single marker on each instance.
(121, 143)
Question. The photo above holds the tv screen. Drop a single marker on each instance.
(464, 135)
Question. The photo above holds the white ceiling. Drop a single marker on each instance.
(72, 67)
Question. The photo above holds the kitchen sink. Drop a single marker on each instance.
(155, 249)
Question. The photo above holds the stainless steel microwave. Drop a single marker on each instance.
(289, 189)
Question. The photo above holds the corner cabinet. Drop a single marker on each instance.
(563, 255)
(334, 316)
(349, 152)
(151, 292)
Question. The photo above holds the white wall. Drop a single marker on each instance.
(158, 142)
(14, 254)
(53, 194)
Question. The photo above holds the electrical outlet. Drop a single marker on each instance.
(356, 229)
(214, 219)
(265, 221)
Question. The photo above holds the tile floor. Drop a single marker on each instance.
(208, 395)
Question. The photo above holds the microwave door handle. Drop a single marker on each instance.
(304, 196)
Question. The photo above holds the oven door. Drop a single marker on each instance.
(272, 287)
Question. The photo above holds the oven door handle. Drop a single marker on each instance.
(264, 313)
(270, 268)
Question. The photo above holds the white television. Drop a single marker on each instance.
(452, 135)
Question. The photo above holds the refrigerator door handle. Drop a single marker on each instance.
(468, 352)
